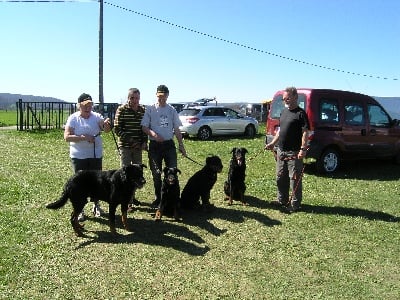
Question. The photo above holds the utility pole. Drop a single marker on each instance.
(101, 94)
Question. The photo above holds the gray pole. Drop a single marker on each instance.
(101, 94)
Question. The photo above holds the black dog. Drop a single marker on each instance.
(113, 186)
(170, 192)
(200, 185)
(235, 186)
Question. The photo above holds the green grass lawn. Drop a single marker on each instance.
(8, 118)
(344, 244)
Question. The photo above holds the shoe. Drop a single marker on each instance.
(81, 216)
(97, 211)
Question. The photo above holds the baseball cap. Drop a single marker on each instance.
(162, 89)
(85, 99)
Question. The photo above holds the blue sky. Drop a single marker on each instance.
(51, 49)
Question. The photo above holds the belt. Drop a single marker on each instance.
(164, 142)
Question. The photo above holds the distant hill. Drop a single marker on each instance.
(391, 104)
(8, 101)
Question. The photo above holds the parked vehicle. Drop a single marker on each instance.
(202, 102)
(207, 121)
(344, 126)
(178, 106)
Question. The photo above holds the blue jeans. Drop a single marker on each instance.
(157, 153)
(288, 177)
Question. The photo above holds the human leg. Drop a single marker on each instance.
(155, 162)
(282, 180)
(296, 182)
(131, 155)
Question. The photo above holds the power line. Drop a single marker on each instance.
(47, 1)
(249, 47)
(213, 37)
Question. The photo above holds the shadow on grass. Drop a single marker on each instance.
(202, 219)
(329, 210)
(144, 231)
(350, 212)
(173, 234)
(382, 170)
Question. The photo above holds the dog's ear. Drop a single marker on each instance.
(177, 170)
(233, 150)
(244, 150)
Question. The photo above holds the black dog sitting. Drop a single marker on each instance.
(235, 186)
(200, 185)
(113, 186)
(170, 192)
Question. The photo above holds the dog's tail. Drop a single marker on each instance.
(60, 202)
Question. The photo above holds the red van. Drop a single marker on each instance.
(344, 126)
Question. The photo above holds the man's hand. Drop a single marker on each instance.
(182, 150)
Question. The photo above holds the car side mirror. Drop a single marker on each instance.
(395, 122)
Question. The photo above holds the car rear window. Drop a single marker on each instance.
(278, 105)
(189, 112)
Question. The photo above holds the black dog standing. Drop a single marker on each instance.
(200, 185)
(170, 192)
(235, 186)
(113, 186)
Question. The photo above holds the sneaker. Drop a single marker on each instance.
(81, 216)
(97, 211)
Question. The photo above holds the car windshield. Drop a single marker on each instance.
(189, 112)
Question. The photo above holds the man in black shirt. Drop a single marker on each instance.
(292, 140)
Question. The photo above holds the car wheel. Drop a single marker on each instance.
(329, 161)
(250, 131)
(204, 133)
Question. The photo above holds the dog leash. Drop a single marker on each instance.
(192, 160)
(115, 141)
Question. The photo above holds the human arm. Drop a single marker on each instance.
(179, 137)
(70, 136)
(272, 144)
(304, 142)
(105, 125)
(151, 133)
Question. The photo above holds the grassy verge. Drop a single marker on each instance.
(8, 117)
(343, 245)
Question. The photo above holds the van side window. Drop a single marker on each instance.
(301, 100)
(354, 114)
(328, 111)
(377, 116)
